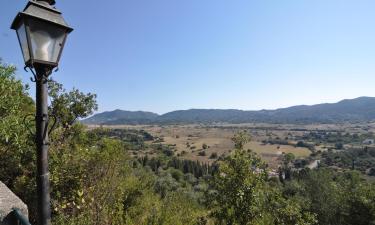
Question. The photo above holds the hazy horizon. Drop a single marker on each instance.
(167, 55)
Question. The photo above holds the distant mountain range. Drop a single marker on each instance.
(350, 110)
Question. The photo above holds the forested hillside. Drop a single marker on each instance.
(96, 179)
(122, 117)
(354, 110)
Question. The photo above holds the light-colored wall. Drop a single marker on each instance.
(8, 201)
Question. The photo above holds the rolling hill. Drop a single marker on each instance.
(350, 110)
(122, 117)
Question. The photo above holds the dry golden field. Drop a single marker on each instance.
(190, 139)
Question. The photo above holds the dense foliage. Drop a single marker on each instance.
(336, 137)
(96, 180)
(362, 159)
(17, 156)
(241, 193)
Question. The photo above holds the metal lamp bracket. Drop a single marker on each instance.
(54, 124)
(35, 77)
(27, 120)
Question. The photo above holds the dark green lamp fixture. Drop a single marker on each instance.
(42, 32)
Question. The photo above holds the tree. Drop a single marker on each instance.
(285, 171)
(335, 198)
(213, 155)
(240, 139)
(301, 144)
(339, 146)
(15, 142)
(371, 172)
(239, 196)
(93, 178)
(70, 106)
(242, 195)
(202, 153)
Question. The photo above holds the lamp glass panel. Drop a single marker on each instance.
(46, 40)
(22, 37)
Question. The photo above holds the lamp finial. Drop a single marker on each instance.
(50, 2)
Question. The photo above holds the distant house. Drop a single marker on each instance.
(368, 142)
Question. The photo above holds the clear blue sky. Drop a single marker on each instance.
(163, 55)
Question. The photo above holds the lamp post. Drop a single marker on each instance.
(41, 32)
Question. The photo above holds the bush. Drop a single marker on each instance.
(372, 172)
(300, 144)
(339, 146)
(213, 155)
(305, 145)
(202, 153)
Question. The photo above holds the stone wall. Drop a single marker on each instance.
(9, 201)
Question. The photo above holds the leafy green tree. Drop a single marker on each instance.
(15, 105)
(240, 139)
(243, 196)
(17, 164)
(335, 198)
(239, 189)
(70, 106)
(285, 170)
(324, 196)
(165, 184)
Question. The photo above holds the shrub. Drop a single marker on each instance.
(213, 155)
(339, 146)
(202, 153)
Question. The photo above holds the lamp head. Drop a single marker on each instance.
(42, 32)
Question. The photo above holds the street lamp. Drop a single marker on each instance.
(41, 32)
